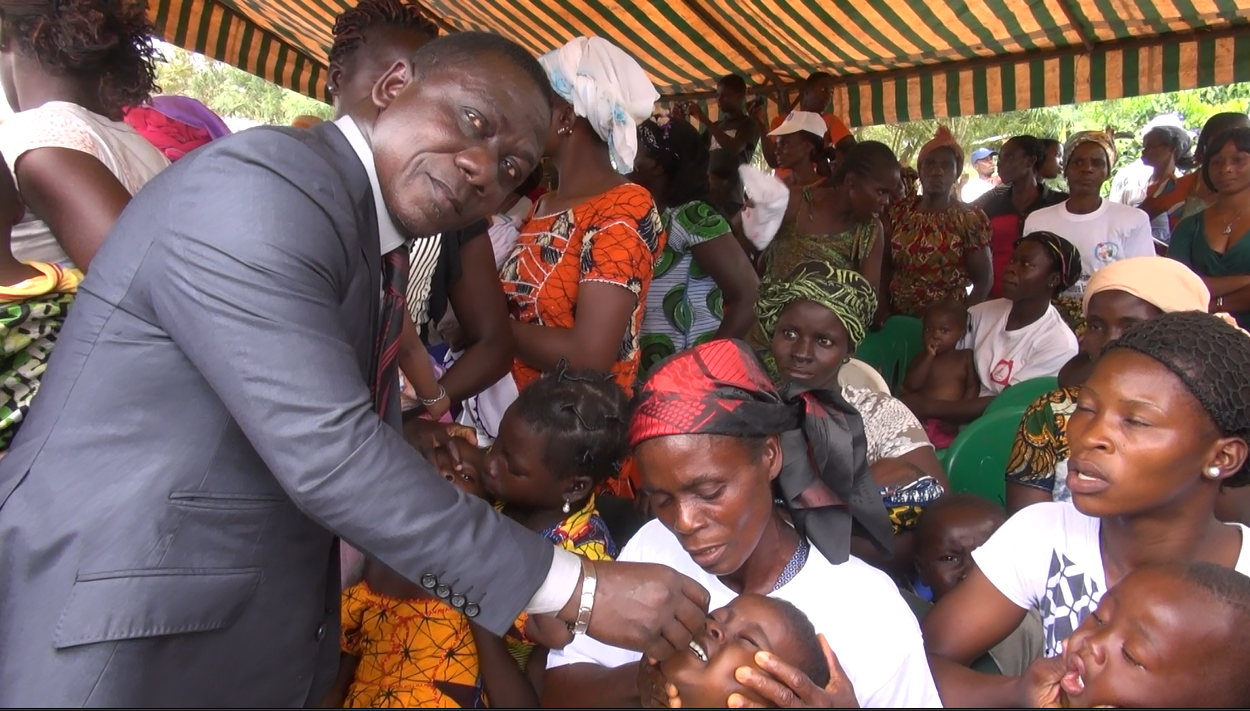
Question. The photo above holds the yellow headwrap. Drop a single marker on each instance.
(1105, 139)
(1165, 283)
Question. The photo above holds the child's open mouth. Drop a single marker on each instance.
(699, 653)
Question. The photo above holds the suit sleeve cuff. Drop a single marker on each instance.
(562, 578)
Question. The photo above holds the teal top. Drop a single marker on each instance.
(1190, 247)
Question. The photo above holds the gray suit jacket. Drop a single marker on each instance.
(168, 510)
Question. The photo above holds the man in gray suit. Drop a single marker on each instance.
(168, 510)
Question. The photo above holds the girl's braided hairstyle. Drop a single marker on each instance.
(1212, 359)
(351, 27)
(584, 415)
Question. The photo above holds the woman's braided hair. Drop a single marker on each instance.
(108, 39)
(585, 417)
(351, 27)
(1212, 359)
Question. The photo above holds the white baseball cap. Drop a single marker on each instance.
(797, 121)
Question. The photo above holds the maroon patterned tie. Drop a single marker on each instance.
(386, 349)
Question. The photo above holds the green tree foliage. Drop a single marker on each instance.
(1126, 116)
(233, 92)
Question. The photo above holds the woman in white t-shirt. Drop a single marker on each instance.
(716, 445)
(1160, 426)
(68, 71)
(1018, 337)
(1103, 231)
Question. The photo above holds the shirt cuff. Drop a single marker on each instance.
(562, 579)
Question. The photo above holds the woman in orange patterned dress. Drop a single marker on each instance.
(577, 279)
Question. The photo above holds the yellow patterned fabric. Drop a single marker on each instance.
(583, 532)
(413, 653)
(1040, 449)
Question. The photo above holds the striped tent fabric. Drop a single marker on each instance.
(895, 60)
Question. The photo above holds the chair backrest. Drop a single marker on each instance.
(858, 374)
(1022, 394)
(891, 349)
(976, 461)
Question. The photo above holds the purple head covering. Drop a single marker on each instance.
(191, 112)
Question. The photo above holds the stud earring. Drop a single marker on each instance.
(566, 506)
(1213, 472)
(565, 131)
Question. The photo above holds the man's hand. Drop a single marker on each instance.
(643, 607)
(694, 111)
(1039, 685)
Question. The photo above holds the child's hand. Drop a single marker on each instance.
(652, 686)
(439, 408)
(547, 631)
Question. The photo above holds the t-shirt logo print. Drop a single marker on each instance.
(1001, 372)
(1107, 252)
(1071, 594)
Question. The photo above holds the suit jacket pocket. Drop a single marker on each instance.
(220, 501)
(136, 604)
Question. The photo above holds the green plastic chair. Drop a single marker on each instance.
(976, 461)
(891, 349)
(1021, 395)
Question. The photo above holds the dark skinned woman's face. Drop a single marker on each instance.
(451, 143)
(870, 195)
(793, 150)
(938, 171)
(810, 345)
(1140, 441)
(1109, 314)
(1087, 169)
(1230, 169)
(713, 492)
(1013, 163)
(1030, 272)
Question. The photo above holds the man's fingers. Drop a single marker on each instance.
(738, 701)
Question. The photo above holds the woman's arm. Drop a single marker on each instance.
(1021, 495)
(981, 271)
(961, 627)
(730, 268)
(506, 686)
(415, 363)
(870, 266)
(907, 468)
(1226, 286)
(1238, 300)
(591, 686)
(75, 195)
(481, 308)
(603, 312)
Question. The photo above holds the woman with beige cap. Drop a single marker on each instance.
(1119, 295)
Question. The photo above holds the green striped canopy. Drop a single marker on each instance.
(895, 60)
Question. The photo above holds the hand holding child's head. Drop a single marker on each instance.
(704, 676)
(945, 325)
(1171, 635)
(462, 464)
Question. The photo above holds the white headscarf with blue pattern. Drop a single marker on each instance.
(608, 88)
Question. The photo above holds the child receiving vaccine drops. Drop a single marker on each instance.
(941, 371)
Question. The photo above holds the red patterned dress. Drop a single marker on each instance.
(929, 252)
(613, 238)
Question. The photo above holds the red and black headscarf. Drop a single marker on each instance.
(720, 388)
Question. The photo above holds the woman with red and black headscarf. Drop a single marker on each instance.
(757, 490)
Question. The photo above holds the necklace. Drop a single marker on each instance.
(1228, 225)
(797, 561)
